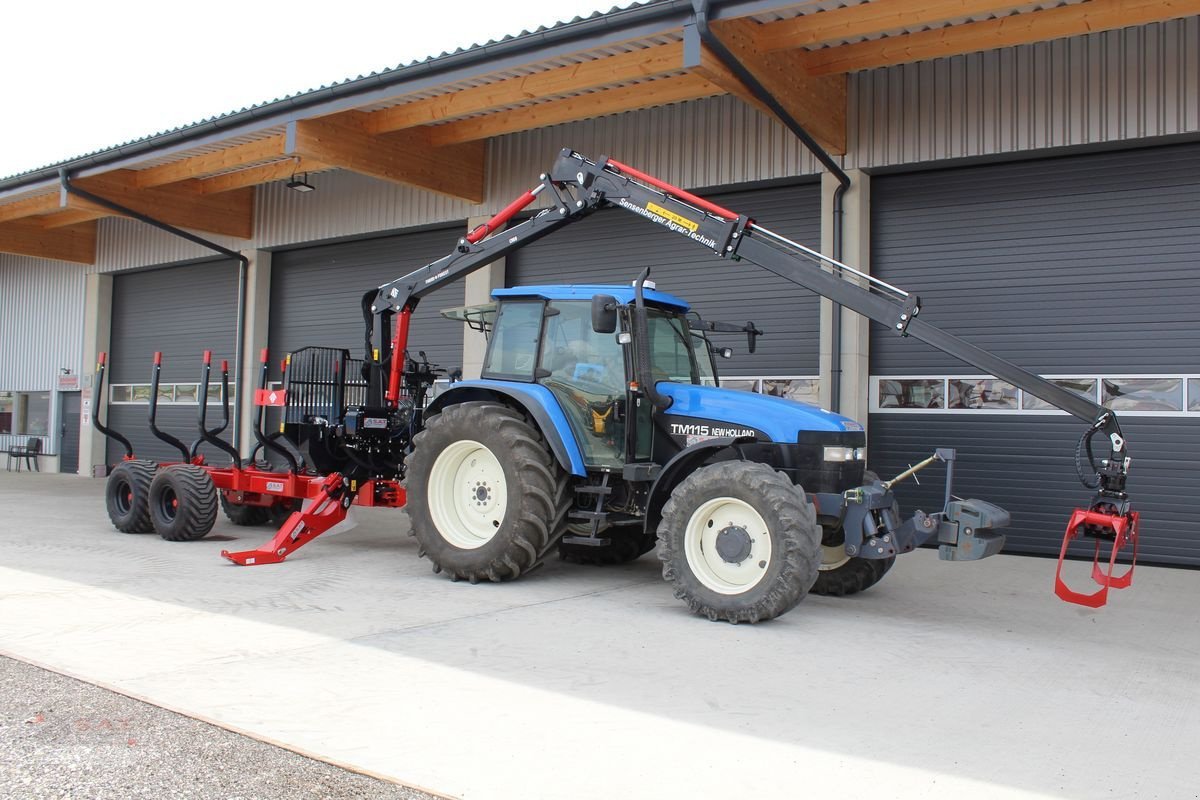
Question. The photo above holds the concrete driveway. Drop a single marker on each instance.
(946, 680)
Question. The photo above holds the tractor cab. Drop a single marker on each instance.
(549, 336)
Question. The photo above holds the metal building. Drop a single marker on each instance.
(1031, 170)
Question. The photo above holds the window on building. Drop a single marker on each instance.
(7, 402)
(1144, 394)
(802, 389)
(1194, 394)
(1084, 387)
(25, 413)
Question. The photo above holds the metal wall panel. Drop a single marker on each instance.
(714, 142)
(316, 294)
(41, 321)
(41, 329)
(127, 244)
(613, 246)
(1118, 85)
(1081, 265)
(178, 311)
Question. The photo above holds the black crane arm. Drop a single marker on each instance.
(580, 186)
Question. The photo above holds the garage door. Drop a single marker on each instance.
(613, 246)
(180, 311)
(1082, 269)
(316, 294)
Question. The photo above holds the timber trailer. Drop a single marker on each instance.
(597, 426)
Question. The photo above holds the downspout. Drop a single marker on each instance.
(243, 267)
(730, 61)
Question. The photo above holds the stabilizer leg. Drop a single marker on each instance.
(327, 509)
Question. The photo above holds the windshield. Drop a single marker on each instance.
(677, 353)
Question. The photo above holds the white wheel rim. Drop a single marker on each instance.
(467, 494)
(700, 545)
(833, 556)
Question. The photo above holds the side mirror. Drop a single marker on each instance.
(604, 313)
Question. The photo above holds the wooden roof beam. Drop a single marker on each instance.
(869, 19)
(264, 173)
(588, 75)
(209, 163)
(817, 103)
(21, 209)
(410, 157)
(1036, 26)
(648, 94)
(230, 213)
(76, 243)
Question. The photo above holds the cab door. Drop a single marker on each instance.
(585, 371)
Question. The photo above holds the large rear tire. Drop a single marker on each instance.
(487, 499)
(841, 575)
(127, 496)
(739, 542)
(183, 503)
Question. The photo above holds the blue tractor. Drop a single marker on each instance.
(598, 429)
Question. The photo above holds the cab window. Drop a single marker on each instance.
(512, 351)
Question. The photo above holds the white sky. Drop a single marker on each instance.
(84, 76)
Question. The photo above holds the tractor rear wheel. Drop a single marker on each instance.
(739, 541)
(841, 574)
(127, 496)
(244, 515)
(487, 499)
(183, 503)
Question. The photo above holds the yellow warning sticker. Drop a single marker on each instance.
(671, 215)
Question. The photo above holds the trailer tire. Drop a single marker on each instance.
(841, 576)
(244, 515)
(736, 573)
(127, 496)
(183, 503)
(487, 499)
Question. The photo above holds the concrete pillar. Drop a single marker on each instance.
(97, 328)
(477, 289)
(258, 311)
(856, 251)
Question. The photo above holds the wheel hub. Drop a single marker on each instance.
(734, 544)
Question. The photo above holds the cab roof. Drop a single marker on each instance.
(585, 291)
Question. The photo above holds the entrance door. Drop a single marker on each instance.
(68, 430)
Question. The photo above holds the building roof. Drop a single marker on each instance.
(426, 124)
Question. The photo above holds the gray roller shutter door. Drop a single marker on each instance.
(613, 246)
(316, 294)
(180, 312)
(1078, 265)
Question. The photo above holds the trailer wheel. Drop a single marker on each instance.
(244, 515)
(739, 541)
(127, 496)
(487, 499)
(183, 503)
(841, 574)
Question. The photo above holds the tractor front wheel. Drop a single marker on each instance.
(486, 497)
(183, 503)
(842, 574)
(740, 542)
(127, 496)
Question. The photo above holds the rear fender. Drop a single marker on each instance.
(685, 462)
(531, 399)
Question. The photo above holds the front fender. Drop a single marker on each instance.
(536, 401)
(680, 466)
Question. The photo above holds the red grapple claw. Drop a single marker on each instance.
(1123, 530)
